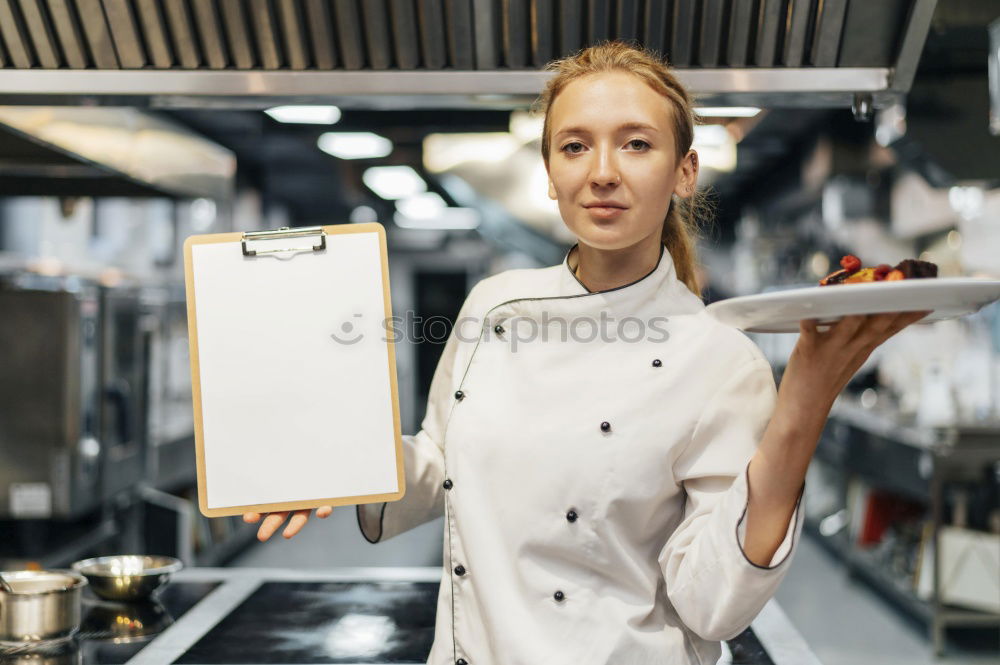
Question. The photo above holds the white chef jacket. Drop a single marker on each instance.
(594, 491)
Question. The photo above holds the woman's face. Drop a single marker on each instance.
(613, 160)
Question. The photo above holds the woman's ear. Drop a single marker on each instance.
(552, 190)
(687, 175)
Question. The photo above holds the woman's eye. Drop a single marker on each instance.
(638, 144)
(573, 147)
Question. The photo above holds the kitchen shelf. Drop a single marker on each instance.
(863, 564)
(891, 453)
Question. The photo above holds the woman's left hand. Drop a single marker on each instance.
(825, 361)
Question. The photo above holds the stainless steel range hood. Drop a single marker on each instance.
(466, 53)
(61, 150)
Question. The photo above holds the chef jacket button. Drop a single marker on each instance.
(605, 426)
(461, 661)
(571, 516)
(460, 570)
(447, 483)
(559, 596)
(459, 395)
(498, 329)
(657, 363)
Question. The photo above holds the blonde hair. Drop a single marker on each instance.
(681, 227)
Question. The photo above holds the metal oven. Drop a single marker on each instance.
(72, 395)
(50, 397)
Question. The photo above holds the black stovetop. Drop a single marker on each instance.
(324, 622)
(347, 622)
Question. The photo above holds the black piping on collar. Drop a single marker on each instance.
(561, 297)
(566, 263)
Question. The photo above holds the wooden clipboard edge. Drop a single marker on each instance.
(236, 237)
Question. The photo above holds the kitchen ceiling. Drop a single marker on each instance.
(461, 52)
(405, 68)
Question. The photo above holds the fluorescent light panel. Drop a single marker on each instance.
(421, 206)
(443, 152)
(446, 219)
(305, 115)
(354, 145)
(727, 111)
(393, 182)
(716, 147)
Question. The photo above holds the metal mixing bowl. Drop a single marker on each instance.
(127, 577)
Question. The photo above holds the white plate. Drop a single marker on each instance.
(781, 311)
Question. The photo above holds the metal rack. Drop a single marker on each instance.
(889, 453)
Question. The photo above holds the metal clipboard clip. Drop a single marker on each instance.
(284, 232)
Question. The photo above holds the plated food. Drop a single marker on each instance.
(900, 288)
(851, 271)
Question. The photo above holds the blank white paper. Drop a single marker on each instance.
(295, 389)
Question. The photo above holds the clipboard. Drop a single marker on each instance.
(293, 369)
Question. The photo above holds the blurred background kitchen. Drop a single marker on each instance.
(830, 127)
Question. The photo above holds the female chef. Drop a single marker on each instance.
(619, 477)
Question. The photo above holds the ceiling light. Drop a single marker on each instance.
(715, 146)
(711, 135)
(446, 219)
(727, 111)
(354, 145)
(443, 152)
(421, 206)
(393, 182)
(305, 115)
(526, 126)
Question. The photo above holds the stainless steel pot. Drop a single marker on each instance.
(42, 605)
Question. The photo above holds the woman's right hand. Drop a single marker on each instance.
(273, 520)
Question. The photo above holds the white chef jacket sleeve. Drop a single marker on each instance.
(423, 452)
(716, 590)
